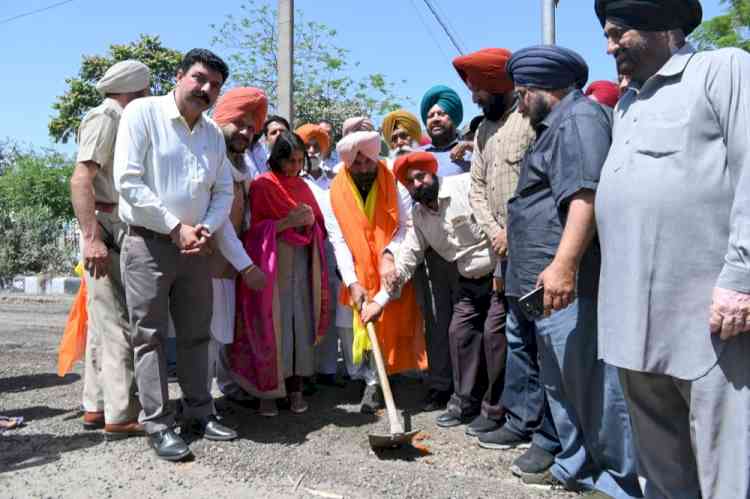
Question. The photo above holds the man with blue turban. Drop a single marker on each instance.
(442, 112)
(553, 249)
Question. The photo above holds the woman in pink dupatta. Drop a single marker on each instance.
(277, 327)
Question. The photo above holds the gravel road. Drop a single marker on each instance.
(323, 453)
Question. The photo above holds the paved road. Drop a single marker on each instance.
(323, 453)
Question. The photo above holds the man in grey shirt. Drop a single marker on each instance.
(673, 213)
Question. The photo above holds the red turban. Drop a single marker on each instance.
(420, 160)
(485, 70)
(239, 101)
(605, 92)
(317, 132)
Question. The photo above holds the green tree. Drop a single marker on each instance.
(82, 94)
(323, 85)
(727, 30)
(35, 180)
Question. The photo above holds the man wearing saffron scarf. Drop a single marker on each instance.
(240, 114)
(500, 143)
(443, 220)
(402, 132)
(280, 324)
(373, 213)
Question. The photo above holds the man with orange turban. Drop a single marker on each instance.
(402, 132)
(443, 220)
(240, 114)
(372, 214)
(318, 144)
(499, 146)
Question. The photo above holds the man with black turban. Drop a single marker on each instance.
(673, 211)
(552, 247)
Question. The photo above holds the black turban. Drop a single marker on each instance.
(651, 15)
(549, 67)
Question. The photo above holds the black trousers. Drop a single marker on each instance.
(437, 292)
(478, 349)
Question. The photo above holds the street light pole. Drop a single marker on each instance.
(548, 22)
(285, 91)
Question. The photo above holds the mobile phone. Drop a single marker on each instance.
(532, 304)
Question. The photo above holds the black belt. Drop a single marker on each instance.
(477, 280)
(135, 230)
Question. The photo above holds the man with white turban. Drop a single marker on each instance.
(108, 399)
(371, 215)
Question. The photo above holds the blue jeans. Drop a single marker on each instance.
(587, 404)
(526, 411)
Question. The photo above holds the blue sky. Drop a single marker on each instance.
(396, 37)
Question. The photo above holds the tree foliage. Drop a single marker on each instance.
(32, 241)
(82, 94)
(35, 180)
(323, 85)
(731, 29)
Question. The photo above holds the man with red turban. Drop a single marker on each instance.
(604, 92)
(443, 220)
(499, 146)
(240, 114)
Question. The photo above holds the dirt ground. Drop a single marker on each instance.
(323, 453)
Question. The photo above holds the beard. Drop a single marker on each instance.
(495, 108)
(237, 144)
(363, 181)
(400, 151)
(539, 109)
(427, 194)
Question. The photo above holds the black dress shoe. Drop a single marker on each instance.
(211, 429)
(481, 424)
(449, 419)
(436, 400)
(169, 445)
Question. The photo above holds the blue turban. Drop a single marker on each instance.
(447, 99)
(548, 67)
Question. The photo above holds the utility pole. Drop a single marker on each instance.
(285, 58)
(548, 21)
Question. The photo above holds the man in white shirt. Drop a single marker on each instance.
(175, 186)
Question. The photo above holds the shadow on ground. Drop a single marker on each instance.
(20, 451)
(37, 412)
(29, 382)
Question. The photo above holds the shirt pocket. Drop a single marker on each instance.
(661, 139)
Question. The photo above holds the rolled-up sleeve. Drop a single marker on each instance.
(129, 168)
(582, 146)
(727, 91)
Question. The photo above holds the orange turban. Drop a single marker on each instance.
(420, 160)
(403, 118)
(311, 131)
(239, 101)
(485, 70)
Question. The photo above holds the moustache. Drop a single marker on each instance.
(202, 96)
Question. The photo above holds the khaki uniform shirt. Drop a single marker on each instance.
(96, 142)
(452, 232)
(499, 147)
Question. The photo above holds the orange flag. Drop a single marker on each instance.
(73, 343)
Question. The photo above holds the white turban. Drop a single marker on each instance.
(358, 124)
(124, 77)
(368, 143)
